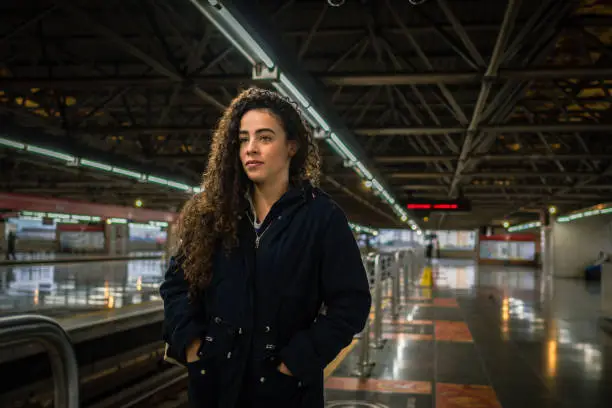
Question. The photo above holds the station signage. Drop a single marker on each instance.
(438, 206)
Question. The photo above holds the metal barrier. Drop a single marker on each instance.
(47, 332)
(385, 275)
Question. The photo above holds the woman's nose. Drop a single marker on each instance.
(252, 146)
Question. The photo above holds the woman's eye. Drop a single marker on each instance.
(243, 140)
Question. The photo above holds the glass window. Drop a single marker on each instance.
(455, 240)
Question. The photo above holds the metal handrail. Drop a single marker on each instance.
(381, 268)
(47, 332)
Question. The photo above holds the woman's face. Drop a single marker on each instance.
(265, 152)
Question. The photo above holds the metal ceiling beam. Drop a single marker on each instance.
(407, 131)
(490, 174)
(514, 195)
(545, 38)
(485, 88)
(340, 79)
(512, 128)
(87, 21)
(492, 157)
(483, 187)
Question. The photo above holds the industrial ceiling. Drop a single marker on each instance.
(504, 103)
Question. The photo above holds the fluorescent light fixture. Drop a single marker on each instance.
(96, 165)
(361, 228)
(30, 218)
(360, 173)
(336, 148)
(179, 186)
(11, 143)
(157, 180)
(320, 121)
(125, 172)
(346, 152)
(377, 185)
(33, 213)
(364, 170)
(234, 32)
(56, 215)
(388, 197)
(116, 221)
(292, 92)
(49, 153)
(523, 227)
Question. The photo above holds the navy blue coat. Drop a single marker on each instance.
(264, 307)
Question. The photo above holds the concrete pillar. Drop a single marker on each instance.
(117, 239)
(3, 235)
(171, 241)
(546, 243)
(606, 291)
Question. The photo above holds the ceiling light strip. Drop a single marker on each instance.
(94, 164)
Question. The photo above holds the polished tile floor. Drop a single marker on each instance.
(71, 288)
(485, 337)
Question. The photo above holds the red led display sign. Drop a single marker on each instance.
(438, 206)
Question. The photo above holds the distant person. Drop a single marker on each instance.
(261, 249)
(429, 250)
(10, 246)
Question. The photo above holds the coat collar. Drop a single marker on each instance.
(301, 192)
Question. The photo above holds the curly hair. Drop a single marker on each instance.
(209, 221)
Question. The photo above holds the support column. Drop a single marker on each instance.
(546, 243)
(3, 241)
(171, 244)
(117, 238)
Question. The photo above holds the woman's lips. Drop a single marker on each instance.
(253, 164)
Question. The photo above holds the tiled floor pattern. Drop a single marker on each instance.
(428, 360)
(485, 337)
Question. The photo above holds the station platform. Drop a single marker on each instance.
(466, 335)
(65, 289)
(485, 337)
(44, 258)
(91, 301)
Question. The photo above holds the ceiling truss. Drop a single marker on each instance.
(504, 103)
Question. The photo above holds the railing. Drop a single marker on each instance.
(47, 332)
(386, 270)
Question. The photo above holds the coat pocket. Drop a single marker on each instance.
(203, 384)
(276, 389)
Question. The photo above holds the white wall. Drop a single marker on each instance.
(577, 244)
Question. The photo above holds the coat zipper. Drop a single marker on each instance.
(259, 236)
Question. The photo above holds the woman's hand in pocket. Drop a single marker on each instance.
(284, 370)
(192, 351)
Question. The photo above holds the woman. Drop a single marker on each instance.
(261, 250)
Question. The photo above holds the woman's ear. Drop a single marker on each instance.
(293, 148)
